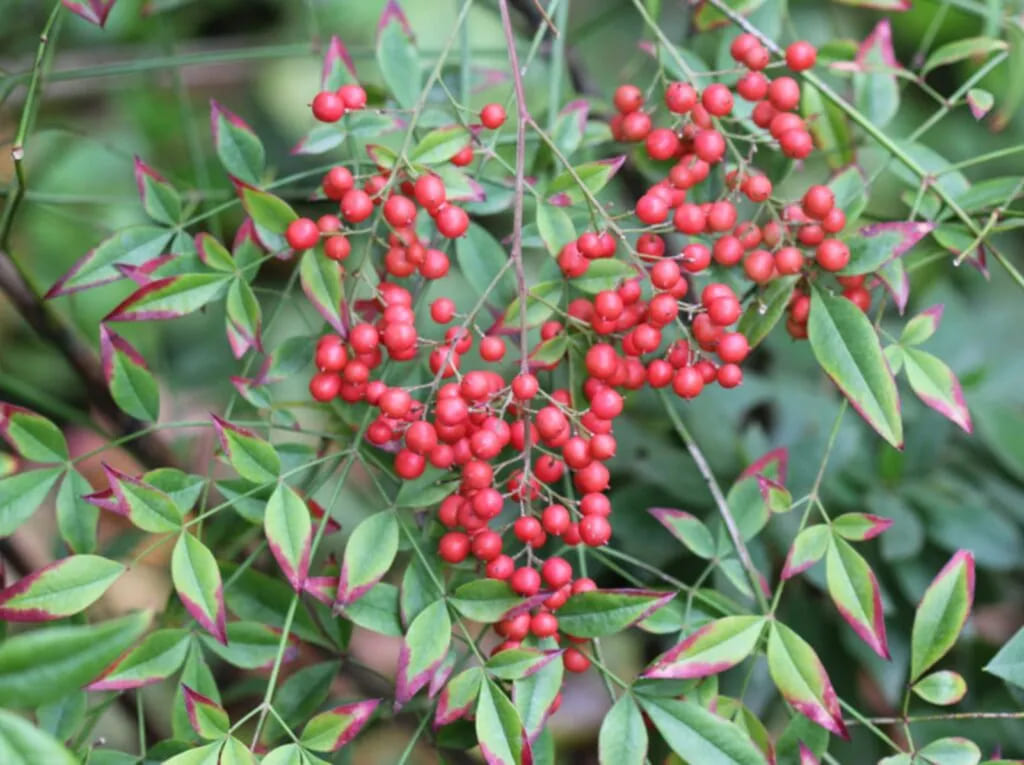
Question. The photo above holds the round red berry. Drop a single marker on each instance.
(328, 106)
(492, 116)
(302, 234)
(801, 55)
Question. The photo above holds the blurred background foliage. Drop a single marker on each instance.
(142, 86)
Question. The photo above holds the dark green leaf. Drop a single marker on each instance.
(440, 145)
(958, 50)
(605, 612)
(22, 743)
(700, 736)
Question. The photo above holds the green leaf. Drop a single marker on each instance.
(399, 63)
(485, 600)
(238, 148)
(715, 647)
(936, 386)
(593, 175)
(709, 17)
(603, 274)
(942, 612)
(623, 736)
(244, 316)
(289, 754)
(942, 688)
(605, 612)
(289, 533)
(698, 735)
(764, 313)
(256, 597)
(146, 507)
(498, 728)
(131, 246)
(31, 435)
(250, 645)
(368, 555)
(1001, 427)
(801, 678)
(517, 663)
(481, 257)
(958, 50)
(876, 89)
(197, 582)
(183, 488)
(160, 200)
(301, 696)
(331, 730)
(131, 384)
(268, 212)
(951, 751)
(61, 589)
(63, 718)
(235, 752)
(157, 657)
(541, 301)
(214, 254)
(854, 590)
(423, 649)
(171, 297)
(43, 665)
(252, 458)
(22, 493)
(208, 718)
(859, 527)
(847, 347)
(440, 145)
(830, 128)
(551, 350)
(22, 743)
(850, 189)
(458, 696)
(980, 102)
(377, 610)
(321, 281)
(1008, 663)
(555, 227)
(208, 754)
(534, 694)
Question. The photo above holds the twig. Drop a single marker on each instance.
(720, 502)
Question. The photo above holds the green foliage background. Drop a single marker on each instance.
(142, 87)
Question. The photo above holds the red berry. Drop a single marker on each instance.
(324, 386)
(453, 547)
(409, 465)
(337, 247)
(525, 386)
(463, 156)
(628, 98)
(680, 97)
(356, 205)
(789, 260)
(442, 310)
(556, 572)
(555, 519)
(399, 211)
(832, 255)
(501, 567)
(337, 181)
(753, 86)
(757, 57)
(525, 581)
(741, 44)
(759, 266)
(733, 347)
(353, 96)
(709, 145)
(636, 126)
(796, 143)
(784, 93)
(595, 530)
(451, 221)
(492, 348)
(328, 106)
(492, 116)
(662, 144)
(801, 55)
(544, 624)
(729, 375)
(717, 99)
(818, 202)
(575, 661)
(430, 192)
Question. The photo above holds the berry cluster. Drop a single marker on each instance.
(515, 443)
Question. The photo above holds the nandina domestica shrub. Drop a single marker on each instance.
(492, 301)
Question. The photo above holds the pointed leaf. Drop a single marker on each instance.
(170, 297)
(93, 11)
(22, 493)
(922, 326)
(688, 529)
(603, 274)
(854, 590)
(604, 612)
(61, 589)
(208, 718)
(244, 315)
(238, 147)
(46, 664)
(937, 386)
(714, 648)
(594, 176)
(980, 102)
(951, 751)
(517, 663)
(542, 300)
(145, 506)
(159, 198)
(130, 246)
(807, 549)
(481, 257)
(208, 754)
(251, 645)
(397, 57)
(253, 458)
(289, 533)
(485, 600)
(942, 612)
(423, 649)
(131, 384)
(555, 227)
(534, 695)
(31, 435)
(76, 518)
(879, 243)
(876, 90)
(623, 736)
(268, 212)
(157, 657)
(321, 281)
(338, 68)
(847, 347)
(376, 611)
(498, 728)
(368, 555)
(801, 679)
(859, 527)
(958, 50)
(22, 743)
(458, 696)
(213, 254)
(764, 313)
(198, 584)
(941, 688)
(301, 696)
(440, 145)
(700, 736)
(1008, 663)
(331, 730)
(709, 17)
